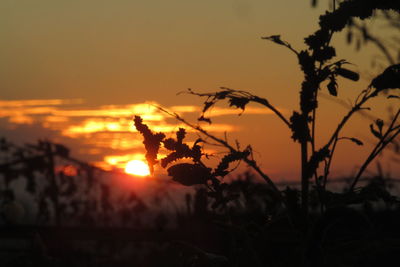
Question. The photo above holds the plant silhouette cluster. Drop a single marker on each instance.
(65, 190)
(194, 173)
(321, 71)
(242, 222)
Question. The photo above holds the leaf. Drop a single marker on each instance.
(348, 74)
(275, 38)
(152, 141)
(239, 102)
(317, 40)
(207, 105)
(315, 159)
(180, 135)
(388, 79)
(222, 94)
(379, 123)
(222, 167)
(169, 143)
(332, 86)
(375, 132)
(202, 118)
(181, 151)
(349, 37)
(357, 141)
(324, 54)
(189, 174)
(298, 125)
(306, 62)
(198, 140)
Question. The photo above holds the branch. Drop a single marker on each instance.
(232, 94)
(250, 162)
(383, 142)
(354, 109)
(277, 39)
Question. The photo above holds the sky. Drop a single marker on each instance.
(91, 65)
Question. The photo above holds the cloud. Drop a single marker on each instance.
(108, 128)
(38, 102)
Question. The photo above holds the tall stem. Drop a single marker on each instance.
(304, 177)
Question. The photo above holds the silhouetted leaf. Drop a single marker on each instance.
(180, 135)
(207, 105)
(349, 37)
(317, 40)
(151, 141)
(222, 167)
(189, 174)
(239, 102)
(198, 140)
(298, 124)
(275, 38)
(388, 79)
(324, 54)
(357, 141)
(375, 132)
(348, 74)
(222, 94)
(306, 62)
(379, 123)
(315, 159)
(179, 149)
(202, 118)
(332, 86)
(169, 143)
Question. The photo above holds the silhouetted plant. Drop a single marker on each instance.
(318, 66)
(67, 191)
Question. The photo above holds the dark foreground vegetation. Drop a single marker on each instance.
(79, 219)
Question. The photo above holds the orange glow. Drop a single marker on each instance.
(67, 170)
(93, 126)
(120, 161)
(137, 167)
(21, 119)
(107, 129)
(38, 102)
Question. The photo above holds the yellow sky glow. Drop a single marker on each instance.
(126, 57)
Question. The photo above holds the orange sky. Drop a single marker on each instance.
(110, 56)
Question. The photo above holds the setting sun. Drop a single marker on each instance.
(137, 167)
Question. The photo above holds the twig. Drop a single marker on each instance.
(250, 162)
(383, 142)
(248, 96)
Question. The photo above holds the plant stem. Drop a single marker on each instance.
(328, 165)
(250, 97)
(383, 142)
(304, 177)
(356, 108)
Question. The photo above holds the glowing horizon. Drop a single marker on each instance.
(109, 126)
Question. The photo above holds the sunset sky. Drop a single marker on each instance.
(77, 71)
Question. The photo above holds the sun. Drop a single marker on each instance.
(137, 167)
